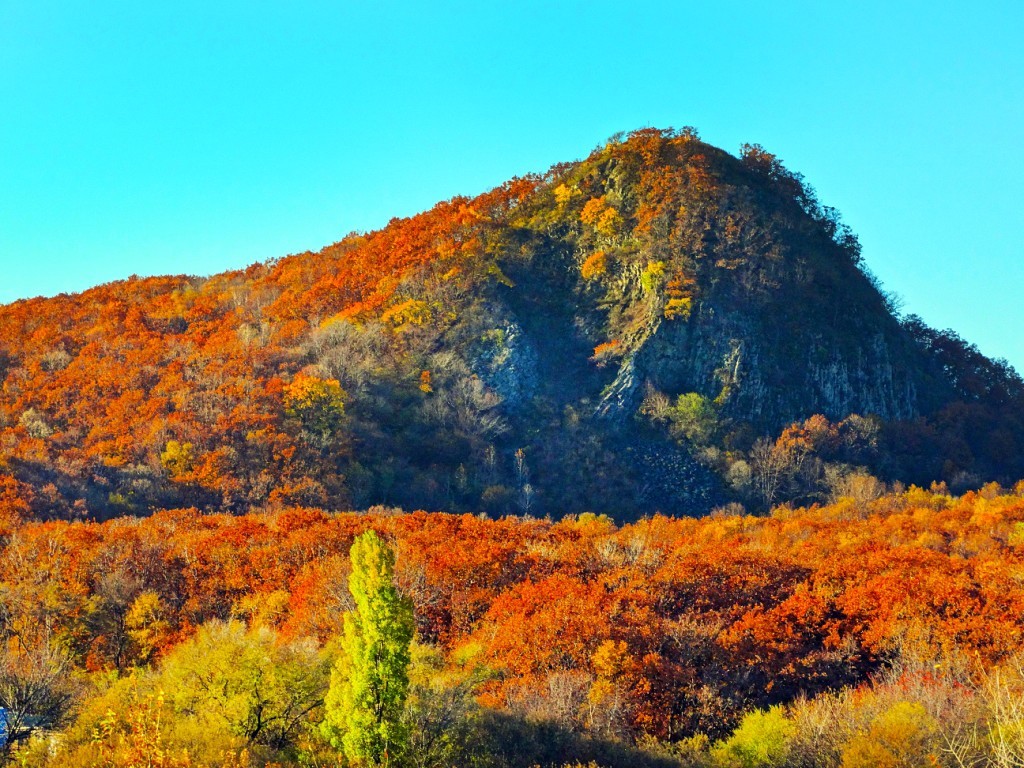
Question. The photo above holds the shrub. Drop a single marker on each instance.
(899, 736)
(763, 738)
(653, 276)
(694, 417)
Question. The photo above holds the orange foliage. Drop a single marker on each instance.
(765, 607)
(116, 374)
(607, 351)
(595, 265)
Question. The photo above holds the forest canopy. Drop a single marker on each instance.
(813, 636)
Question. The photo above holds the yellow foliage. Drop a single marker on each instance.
(408, 314)
(340, 317)
(601, 690)
(563, 194)
(930, 540)
(177, 458)
(261, 609)
(608, 222)
(145, 623)
(762, 740)
(895, 738)
(494, 271)
(139, 740)
(318, 403)
(592, 524)
(1015, 538)
(653, 275)
(678, 309)
(308, 391)
(610, 659)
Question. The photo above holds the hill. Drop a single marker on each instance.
(661, 326)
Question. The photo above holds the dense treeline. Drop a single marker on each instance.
(870, 631)
(615, 335)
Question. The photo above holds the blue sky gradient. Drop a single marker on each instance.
(194, 137)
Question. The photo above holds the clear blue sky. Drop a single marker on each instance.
(193, 137)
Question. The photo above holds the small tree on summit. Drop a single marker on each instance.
(370, 681)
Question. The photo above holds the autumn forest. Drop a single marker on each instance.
(628, 463)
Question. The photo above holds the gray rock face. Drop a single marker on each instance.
(507, 363)
(768, 378)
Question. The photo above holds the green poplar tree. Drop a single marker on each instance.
(370, 681)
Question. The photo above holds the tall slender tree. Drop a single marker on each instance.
(370, 681)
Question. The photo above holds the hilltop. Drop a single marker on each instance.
(662, 326)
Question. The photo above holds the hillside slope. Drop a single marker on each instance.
(613, 336)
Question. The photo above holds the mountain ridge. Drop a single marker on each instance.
(614, 335)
